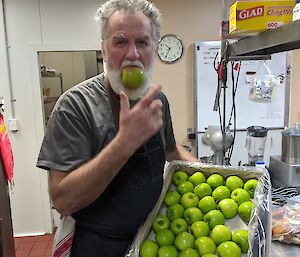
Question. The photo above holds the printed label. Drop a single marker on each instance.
(250, 13)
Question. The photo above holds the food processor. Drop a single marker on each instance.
(285, 168)
(255, 144)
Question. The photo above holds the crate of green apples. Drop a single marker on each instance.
(208, 211)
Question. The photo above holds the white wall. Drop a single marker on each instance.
(34, 25)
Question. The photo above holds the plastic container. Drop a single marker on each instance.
(260, 164)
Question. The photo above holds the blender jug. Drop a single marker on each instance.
(255, 143)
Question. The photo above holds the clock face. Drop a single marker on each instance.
(170, 48)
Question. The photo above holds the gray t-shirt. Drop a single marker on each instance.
(82, 124)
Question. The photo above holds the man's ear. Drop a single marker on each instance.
(103, 50)
(156, 46)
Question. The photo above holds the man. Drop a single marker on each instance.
(106, 145)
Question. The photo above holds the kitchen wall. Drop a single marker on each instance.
(33, 26)
(59, 25)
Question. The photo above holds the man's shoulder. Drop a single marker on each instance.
(87, 90)
(95, 83)
(161, 95)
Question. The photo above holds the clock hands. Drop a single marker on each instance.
(169, 48)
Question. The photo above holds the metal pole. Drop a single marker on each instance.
(224, 17)
(4, 29)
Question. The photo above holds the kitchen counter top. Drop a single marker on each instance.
(279, 249)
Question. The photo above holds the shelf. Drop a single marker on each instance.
(281, 39)
(50, 74)
(49, 99)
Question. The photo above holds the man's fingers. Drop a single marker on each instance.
(150, 95)
(124, 103)
(156, 105)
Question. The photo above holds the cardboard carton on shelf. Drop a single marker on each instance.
(248, 18)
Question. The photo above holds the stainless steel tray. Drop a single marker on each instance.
(259, 227)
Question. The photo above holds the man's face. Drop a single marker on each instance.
(129, 43)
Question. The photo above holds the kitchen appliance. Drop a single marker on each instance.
(285, 168)
(213, 137)
(291, 145)
(255, 143)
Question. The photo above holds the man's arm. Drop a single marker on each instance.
(72, 191)
(179, 153)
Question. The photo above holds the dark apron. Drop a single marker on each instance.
(107, 227)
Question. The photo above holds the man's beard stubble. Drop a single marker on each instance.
(114, 77)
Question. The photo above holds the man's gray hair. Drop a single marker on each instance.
(144, 6)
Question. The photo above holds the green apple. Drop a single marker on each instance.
(220, 193)
(234, 182)
(189, 199)
(220, 234)
(185, 187)
(178, 225)
(192, 214)
(132, 77)
(160, 222)
(172, 197)
(202, 190)
(206, 204)
(148, 248)
(228, 207)
(179, 177)
(245, 210)
(167, 251)
(250, 186)
(164, 237)
(205, 245)
(189, 252)
(197, 178)
(240, 237)
(229, 249)
(214, 218)
(200, 228)
(184, 240)
(215, 180)
(175, 211)
(209, 255)
(240, 195)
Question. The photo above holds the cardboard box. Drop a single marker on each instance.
(249, 18)
(260, 225)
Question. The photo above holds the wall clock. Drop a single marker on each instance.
(170, 48)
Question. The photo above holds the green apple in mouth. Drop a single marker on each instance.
(132, 77)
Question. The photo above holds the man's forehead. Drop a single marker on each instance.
(129, 22)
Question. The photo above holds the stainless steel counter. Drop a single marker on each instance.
(284, 250)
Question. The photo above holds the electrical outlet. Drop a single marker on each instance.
(13, 124)
(191, 135)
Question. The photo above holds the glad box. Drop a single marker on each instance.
(248, 18)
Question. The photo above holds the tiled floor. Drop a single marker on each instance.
(34, 246)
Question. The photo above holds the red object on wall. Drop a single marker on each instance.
(6, 151)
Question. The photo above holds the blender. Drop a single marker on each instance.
(255, 144)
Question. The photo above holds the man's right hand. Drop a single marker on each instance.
(138, 124)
